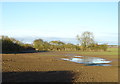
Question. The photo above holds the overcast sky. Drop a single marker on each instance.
(60, 19)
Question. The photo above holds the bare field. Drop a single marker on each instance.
(47, 67)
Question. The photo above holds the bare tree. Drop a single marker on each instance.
(86, 39)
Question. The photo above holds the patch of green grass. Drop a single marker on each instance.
(98, 53)
(111, 52)
(112, 49)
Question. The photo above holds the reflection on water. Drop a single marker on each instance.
(89, 61)
(97, 64)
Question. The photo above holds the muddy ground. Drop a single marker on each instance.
(47, 67)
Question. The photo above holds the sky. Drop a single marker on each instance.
(60, 20)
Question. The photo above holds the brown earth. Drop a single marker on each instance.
(47, 67)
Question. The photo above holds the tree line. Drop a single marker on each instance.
(39, 45)
(11, 45)
(86, 43)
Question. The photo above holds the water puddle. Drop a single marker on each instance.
(89, 61)
(78, 56)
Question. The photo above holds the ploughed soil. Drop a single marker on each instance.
(47, 67)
